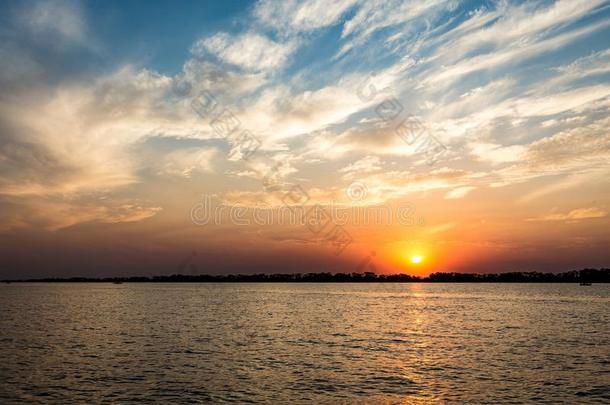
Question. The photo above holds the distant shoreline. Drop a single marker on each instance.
(574, 276)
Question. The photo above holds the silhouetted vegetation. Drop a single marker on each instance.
(574, 276)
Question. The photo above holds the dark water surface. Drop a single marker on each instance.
(322, 343)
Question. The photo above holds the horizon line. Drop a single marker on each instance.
(572, 276)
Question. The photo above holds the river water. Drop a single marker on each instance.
(302, 343)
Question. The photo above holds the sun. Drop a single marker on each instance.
(416, 259)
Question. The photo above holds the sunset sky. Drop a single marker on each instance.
(481, 128)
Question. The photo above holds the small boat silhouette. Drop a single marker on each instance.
(117, 282)
(584, 283)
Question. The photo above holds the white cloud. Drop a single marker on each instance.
(473, 115)
(375, 15)
(250, 51)
(367, 164)
(459, 192)
(89, 130)
(596, 63)
(576, 156)
(513, 24)
(186, 162)
(280, 112)
(54, 215)
(296, 16)
(512, 54)
(199, 76)
(497, 154)
(584, 144)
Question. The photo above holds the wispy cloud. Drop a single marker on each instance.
(56, 23)
(294, 17)
(251, 51)
(459, 192)
(518, 92)
(574, 215)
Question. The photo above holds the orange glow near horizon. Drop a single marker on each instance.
(413, 257)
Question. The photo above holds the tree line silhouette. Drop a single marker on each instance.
(574, 276)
